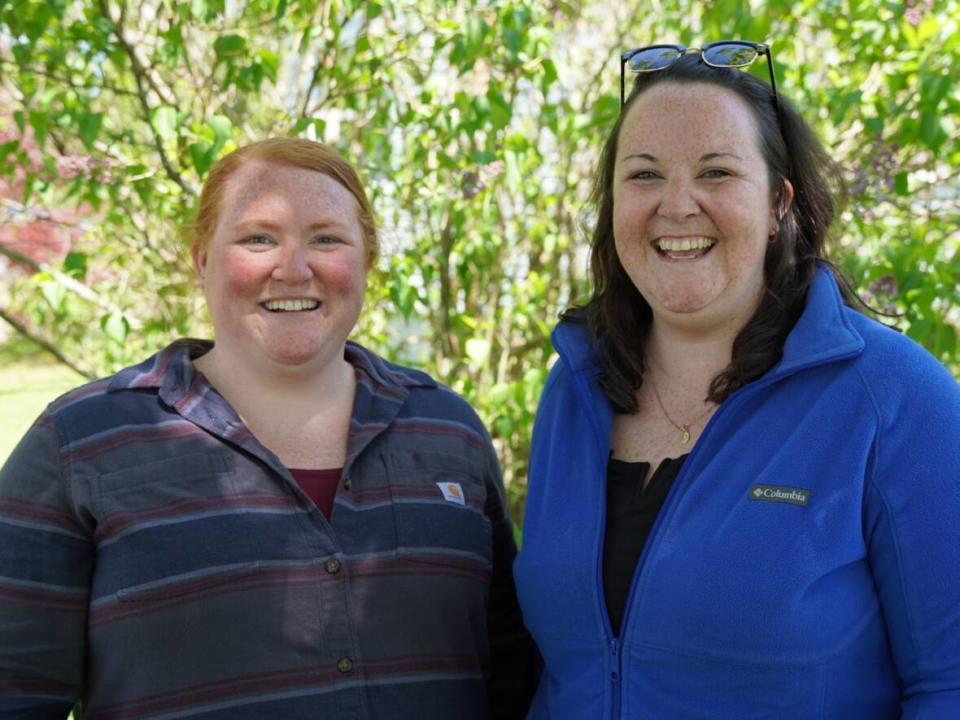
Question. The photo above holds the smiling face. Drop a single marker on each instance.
(284, 272)
(693, 209)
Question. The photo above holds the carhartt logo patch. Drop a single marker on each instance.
(452, 492)
(780, 494)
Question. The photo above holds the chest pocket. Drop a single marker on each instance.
(169, 519)
(438, 507)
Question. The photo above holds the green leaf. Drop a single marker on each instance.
(229, 46)
(513, 41)
(549, 72)
(165, 122)
(6, 149)
(115, 327)
(874, 125)
(900, 184)
(931, 129)
(39, 121)
(54, 293)
(500, 110)
(222, 127)
(269, 62)
(75, 264)
(201, 156)
(88, 127)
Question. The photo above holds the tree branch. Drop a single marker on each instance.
(68, 81)
(447, 337)
(69, 283)
(141, 76)
(43, 343)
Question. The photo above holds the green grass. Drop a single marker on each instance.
(26, 386)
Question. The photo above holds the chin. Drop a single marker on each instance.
(686, 305)
(294, 354)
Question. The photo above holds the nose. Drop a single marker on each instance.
(678, 201)
(293, 264)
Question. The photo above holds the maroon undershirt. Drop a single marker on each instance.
(320, 485)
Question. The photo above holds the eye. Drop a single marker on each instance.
(715, 173)
(644, 175)
(325, 240)
(258, 240)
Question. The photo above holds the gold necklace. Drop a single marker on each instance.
(684, 428)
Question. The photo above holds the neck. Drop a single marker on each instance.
(679, 359)
(269, 389)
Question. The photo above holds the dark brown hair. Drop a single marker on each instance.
(618, 315)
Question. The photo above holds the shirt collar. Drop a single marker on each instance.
(172, 370)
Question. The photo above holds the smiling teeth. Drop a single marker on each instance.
(290, 305)
(700, 243)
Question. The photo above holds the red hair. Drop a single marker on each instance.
(294, 152)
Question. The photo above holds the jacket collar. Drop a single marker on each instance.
(823, 334)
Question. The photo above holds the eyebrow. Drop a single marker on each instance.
(715, 155)
(703, 158)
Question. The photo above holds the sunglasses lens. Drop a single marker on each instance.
(730, 55)
(653, 58)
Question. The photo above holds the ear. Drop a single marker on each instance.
(199, 260)
(778, 210)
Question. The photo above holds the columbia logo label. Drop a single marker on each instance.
(780, 494)
(452, 492)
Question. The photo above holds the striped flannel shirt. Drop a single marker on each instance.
(156, 561)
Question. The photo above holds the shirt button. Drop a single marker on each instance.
(333, 566)
(346, 483)
(345, 665)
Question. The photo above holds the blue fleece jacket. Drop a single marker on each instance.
(806, 563)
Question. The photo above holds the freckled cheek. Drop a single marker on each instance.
(342, 275)
(240, 278)
(630, 218)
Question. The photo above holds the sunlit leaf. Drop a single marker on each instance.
(165, 122)
(116, 327)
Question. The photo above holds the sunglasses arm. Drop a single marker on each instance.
(623, 65)
(773, 80)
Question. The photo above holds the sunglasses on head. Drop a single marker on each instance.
(721, 54)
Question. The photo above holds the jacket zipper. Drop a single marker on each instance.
(615, 679)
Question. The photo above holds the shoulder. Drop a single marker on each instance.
(91, 408)
(914, 399)
(893, 362)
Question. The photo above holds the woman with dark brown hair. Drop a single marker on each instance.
(743, 492)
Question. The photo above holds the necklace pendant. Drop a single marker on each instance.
(684, 434)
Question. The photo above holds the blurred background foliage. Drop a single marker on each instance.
(475, 126)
